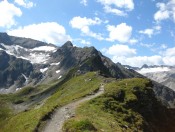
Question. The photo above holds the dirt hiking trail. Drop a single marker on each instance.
(64, 113)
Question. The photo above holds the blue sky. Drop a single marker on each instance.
(131, 32)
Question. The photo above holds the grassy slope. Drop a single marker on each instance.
(126, 105)
(73, 89)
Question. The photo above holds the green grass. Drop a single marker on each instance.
(73, 89)
(112, 111)
(80, 126)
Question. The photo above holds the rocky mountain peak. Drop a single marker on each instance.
(4, 38)
(68, 44)
(145, 66)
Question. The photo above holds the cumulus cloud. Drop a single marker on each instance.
(166, 11)
(169, 56)
(121, 32)
(169, 52)
(117, 7)
(83, 24)
(84, 2)
(121, 50)
(8, 12)
(138, 61)
(25, 3)
(50, 32)
(128, 56)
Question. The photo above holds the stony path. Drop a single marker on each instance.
(64, 113)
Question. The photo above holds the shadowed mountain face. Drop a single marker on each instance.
(15, 72)
(23, 58)
(26, 62)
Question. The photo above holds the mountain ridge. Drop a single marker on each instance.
(61, 75)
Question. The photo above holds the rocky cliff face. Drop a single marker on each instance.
(15, 72)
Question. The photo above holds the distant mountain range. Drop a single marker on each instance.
(162, 74)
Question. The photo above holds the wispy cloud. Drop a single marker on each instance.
(117, 7)
(84, 2)
(151, 31)
(25, 3)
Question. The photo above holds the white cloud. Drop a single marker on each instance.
(148, 32)
(85, 42)
(115, 11)
(163, 46)
(117, 7)
(169, 56)
(151, 31)
(166, 11)
(128, 56)
(147, 45)
(83, 24)
(121, 32)
(121, 50)
(8, 12)
(50, 32)
(169, 52)
(169, 60)
(25, 3)
(79, 22)
(138, 61)
(84, 2)
(133, 41)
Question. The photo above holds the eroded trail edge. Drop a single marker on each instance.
(64, 113)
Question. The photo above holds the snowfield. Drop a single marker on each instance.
(45, 48)
(43, 70)
(38, 55)
(151, 70)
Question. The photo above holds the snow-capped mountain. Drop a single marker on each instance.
(22, 61)
(48, 62)
(162, 74)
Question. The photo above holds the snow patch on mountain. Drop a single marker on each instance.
(152, 70)
(26, 78)
(38, 55)
(59, 77)
(18, 89)
(45, 48)
(57, 71)
(44, 70)
(39, 58)
(55, 64)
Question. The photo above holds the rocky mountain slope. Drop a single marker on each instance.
(49, 62)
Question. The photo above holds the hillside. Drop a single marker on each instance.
(126, 105)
